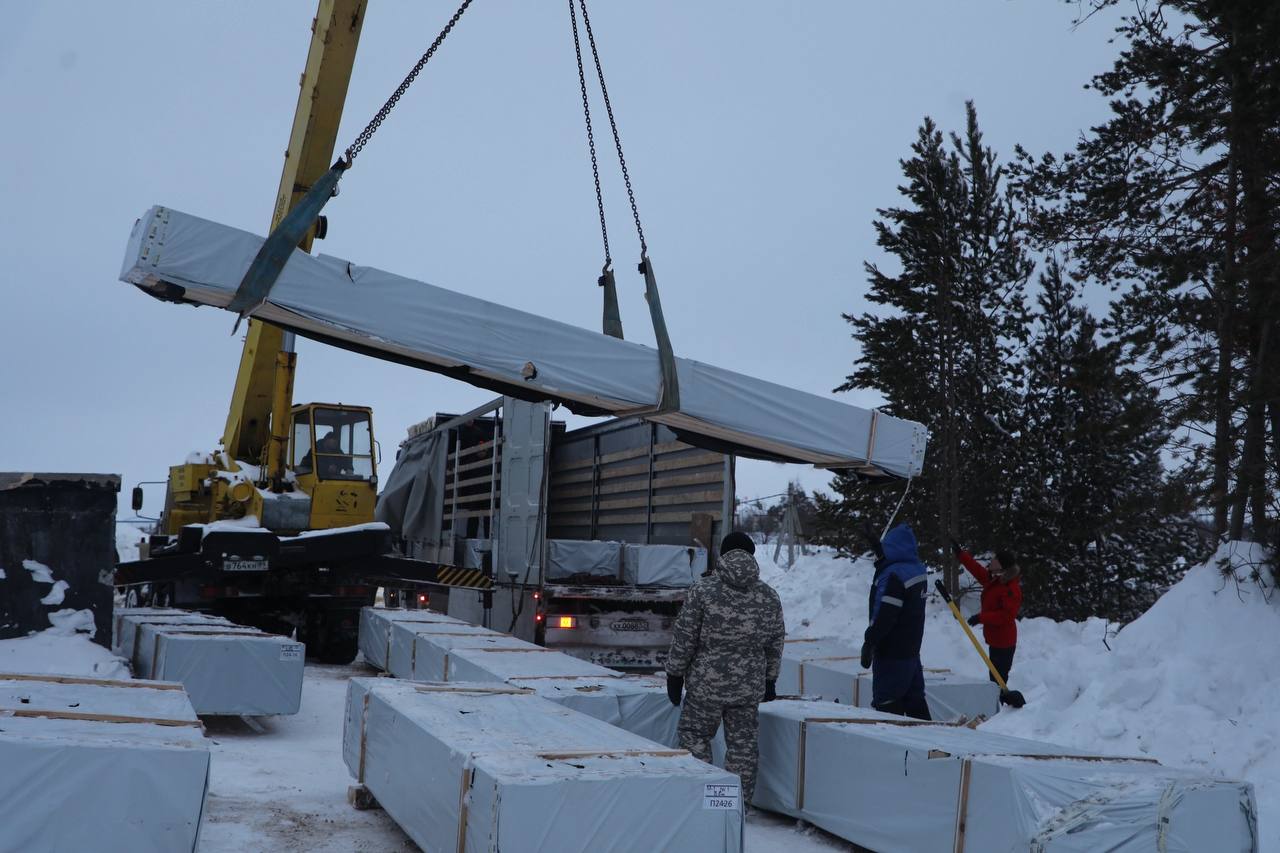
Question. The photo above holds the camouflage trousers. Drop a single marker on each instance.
(699, 721)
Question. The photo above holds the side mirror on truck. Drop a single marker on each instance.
(137, 498)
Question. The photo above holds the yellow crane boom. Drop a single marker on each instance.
(258, 418)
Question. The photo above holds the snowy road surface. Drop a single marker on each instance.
(285, 789)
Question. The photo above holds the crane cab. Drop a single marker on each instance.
(332, 456)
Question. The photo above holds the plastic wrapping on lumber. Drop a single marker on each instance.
(174, 255)
(937, 786)
(66, 743)
(226, 669)
(484, 767)
(830, 669)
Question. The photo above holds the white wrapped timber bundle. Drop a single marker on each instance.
(420, 651)
(830, 669)
(176, 256)
(375, 630)
(97, 764)
(475, 767)
(888, 783)
(226, 669)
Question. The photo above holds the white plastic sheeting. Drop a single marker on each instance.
(891, 784)
(492, 345)
(225, 668)
(94, 764)
(375, 630)
(491, 767)
(829, 669)
(457, 651)
(663, 565)
(569, 558)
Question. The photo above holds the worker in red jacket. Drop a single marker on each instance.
(1001, 598)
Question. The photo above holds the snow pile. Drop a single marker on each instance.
(1192, 683)
(823, 596)
(61, 650)
(128, 539)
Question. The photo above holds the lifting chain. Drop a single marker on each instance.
(591, 138)
(362, 140)
(617, 140)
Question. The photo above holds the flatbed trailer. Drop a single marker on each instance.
(314, 584)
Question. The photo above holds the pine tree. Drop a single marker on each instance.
(944, 351)
(1093, 522)
(1175, 202)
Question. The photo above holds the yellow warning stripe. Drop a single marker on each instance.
(453, 576)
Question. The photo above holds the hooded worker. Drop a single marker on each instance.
(728, 648)
(891, 645)
(1001, 600)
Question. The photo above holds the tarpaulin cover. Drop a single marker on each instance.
(434, 651)
(412, 501)
(490, 768)
(663, 565)
(175, 255)
(569, 558)
(504, 664)
(890, 784)
(420, 651)
(830, 669)
(375, 630)
(225, 668)
(69, 781)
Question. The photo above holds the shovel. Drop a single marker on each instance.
(1012, 698)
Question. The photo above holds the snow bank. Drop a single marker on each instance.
(1193, 682)
(128, 539)
(62, 651)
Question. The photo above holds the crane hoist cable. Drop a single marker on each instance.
(267, 265)
(669, 397)
(612, 321)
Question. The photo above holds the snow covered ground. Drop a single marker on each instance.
(1193, 683)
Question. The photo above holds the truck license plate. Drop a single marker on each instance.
(244, 565)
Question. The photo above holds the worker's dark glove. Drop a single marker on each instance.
(868, 652)
(956, 547)
(975, 619)
(675, 686)
(770, 690)
(868, 532)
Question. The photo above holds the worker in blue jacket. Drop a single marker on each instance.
(891, 646)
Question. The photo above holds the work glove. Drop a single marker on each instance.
(868, 532)
(868, 652)
(675, 686)
(956, 547)
(770, 690)
(975, 619)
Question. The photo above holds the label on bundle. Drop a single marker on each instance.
(720, 797)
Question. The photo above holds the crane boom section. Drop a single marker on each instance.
(335, 33)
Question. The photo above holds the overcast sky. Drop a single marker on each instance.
(760, 138)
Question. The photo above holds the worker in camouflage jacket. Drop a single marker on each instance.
(728, 647)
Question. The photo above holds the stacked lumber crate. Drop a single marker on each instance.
(825, 668)
(419, 645)
(893, 784)
(481, 767)
(227, 669)
(99, 764)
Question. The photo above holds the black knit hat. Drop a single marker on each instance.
(1009, 567)
(737, 541)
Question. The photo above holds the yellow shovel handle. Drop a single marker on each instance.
(955, 611)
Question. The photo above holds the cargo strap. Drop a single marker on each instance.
(267, 265)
